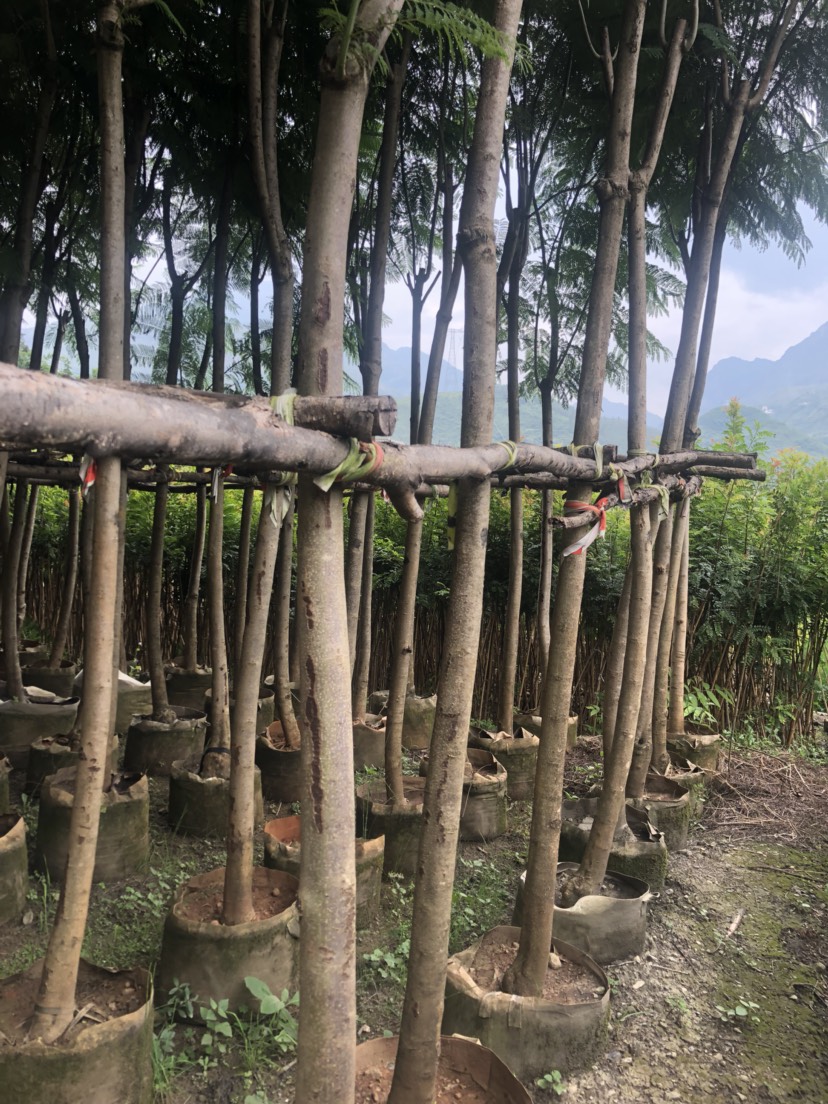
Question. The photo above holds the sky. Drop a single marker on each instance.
(766, 305)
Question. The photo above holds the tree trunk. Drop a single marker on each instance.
(325, 1067)
(358, 516)
(526, 975)
(190, 618)
(60, 332)
(659, 757)
(155, 656)
(238, 876)
(675, 717)
(363, 653)
(25, 554)
(547, 552)
(70, 580)
(219, 704)
(11, 569)
(611, 806)
(401, 661)
(242, 569)
(220, 274)
(415, 1071)
(79, 326)
(281, 633)
(614, 675)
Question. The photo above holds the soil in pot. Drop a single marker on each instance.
(200, 806)
(188, 688)
(283, 851)
(153, 746)
(22, 723)
(640, 854)
(518, 754)
(609, 926)
(369, 742)
(123, 839)
(418, 717)
(483, 813)
(214, 958)
(468, 1073)
(104, 1058)
(53, 753)
(565, 1029)
(281, 766)
(400, 826)
(56, 680)
(14, 867)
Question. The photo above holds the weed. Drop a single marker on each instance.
(743, 1010)
(552, 1082)
(678, 1004)
(478, 901)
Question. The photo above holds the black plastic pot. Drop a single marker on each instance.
(281, 768)
(369, 742)
(400, 827)
(21, 723)
(518, 754)
(642, 855)
(418, 717)
(483, 813)
(56, 680)
(201, 806)
(152, 747)
(48, 756)
(188, 688)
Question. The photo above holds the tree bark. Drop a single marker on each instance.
(70, 580)
(614, 675)
(155, 656)
(675, 716)
(325, 1067)
(363, 652)
(190, 616)
(11, 569)
(415, 1070)
(526, 975)
(220, 703)
(25, 554)
(281, 633)
(242, 570)
(238, 876)
(659, 758)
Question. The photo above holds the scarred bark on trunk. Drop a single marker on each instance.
(417, 1056)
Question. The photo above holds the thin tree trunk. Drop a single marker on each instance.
(401, 661)
(220, 274)
(60, 332)
(614, 676)
(79, 325)
(363, 655)
(242, 569)
(281, 633)
(611, 806)
(660, 759)
(25, 554)
(70, 580)
(11, 568)
(155, 657)
(219, 704)
(55, 1004)
(238, 874)
(358, 515)
(675, 716)
(190, 618)
(415, 1070)
(526, 975)
(547, 552)
(325, 1066)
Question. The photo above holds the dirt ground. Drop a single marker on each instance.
(728, 1003)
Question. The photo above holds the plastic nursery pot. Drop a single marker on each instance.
(483, 813)
(108, 1063)
(281, 766)
(400, 826)
(201, 806)
(212, 958)
(5, 771)
(532, 724)
(532, 1034)
(702, 749)
(153, 747)
(517, 753)
(188, 688)
(123, 838)
(56, 680)
(283, 852)
(265, 706)
(642, 855)
(418, 717)
(53, 753)
(134, 699)
(668, 807)
(21, 723)
(14, 867)
(609, 926)
(488, 1079)
(692, 778)
(369, 742)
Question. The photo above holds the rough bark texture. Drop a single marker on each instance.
(526, 975)
(238, 871)
(70, 580)
(417, 1056)
(327, 956)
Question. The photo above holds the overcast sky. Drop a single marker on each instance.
(766, 304)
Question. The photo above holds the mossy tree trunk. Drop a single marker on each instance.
(415, 1070)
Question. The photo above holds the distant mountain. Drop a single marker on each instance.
(788, 397)
(396, 372)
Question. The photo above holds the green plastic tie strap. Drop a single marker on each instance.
(511, 454)
(284, 405)
(362, 460)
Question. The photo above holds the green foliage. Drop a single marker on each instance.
(552, 1082)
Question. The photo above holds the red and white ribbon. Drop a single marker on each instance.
(597, 530)
(88, 472)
